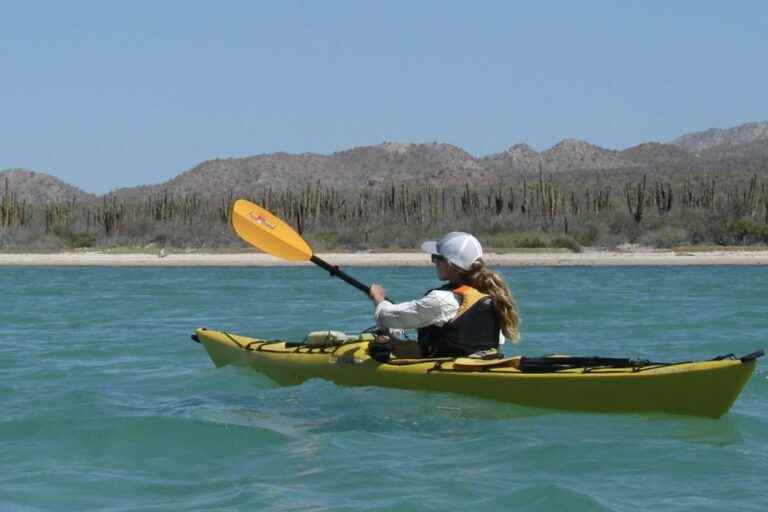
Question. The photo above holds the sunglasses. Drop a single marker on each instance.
(437, 257)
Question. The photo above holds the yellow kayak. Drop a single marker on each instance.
(702, 388)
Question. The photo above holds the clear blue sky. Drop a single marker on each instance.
(105, 94)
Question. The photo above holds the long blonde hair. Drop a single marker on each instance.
(488, 281)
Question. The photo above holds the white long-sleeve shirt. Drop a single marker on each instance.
(436, 308)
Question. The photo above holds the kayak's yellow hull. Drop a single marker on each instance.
(706, 388)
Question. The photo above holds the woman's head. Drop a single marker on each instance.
(459, 249)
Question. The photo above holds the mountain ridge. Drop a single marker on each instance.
(33, 186)
(435, 163)
(696, 142)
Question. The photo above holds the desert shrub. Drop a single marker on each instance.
(746, 231)
(515, 240)
(180, 234)
(351, 240)
(587, 234)
(625, 227)
(323, 240)
(613, 241)
(81, 239)
(74, 239)
(138, 232)
(709, 229)
(666, 237)
(566, 242)
(45, 242)
(29, 239)
(531, 242)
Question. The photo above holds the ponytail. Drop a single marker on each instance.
(487, 281)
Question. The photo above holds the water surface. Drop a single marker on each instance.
(105, 403)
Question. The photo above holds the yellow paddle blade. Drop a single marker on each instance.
(263, 230)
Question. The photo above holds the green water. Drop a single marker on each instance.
(105, 403)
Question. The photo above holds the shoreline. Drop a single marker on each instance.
(409, 259)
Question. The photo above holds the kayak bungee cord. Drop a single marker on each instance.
(744, 359)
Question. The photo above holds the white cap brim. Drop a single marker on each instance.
(430, 247)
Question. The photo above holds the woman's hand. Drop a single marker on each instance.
(377, 293)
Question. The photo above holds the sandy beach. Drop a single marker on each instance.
(585, 258)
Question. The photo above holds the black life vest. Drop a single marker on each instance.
(475, 327)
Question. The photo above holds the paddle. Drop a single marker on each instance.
(265, 231)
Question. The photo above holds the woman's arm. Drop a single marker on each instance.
(435, 308)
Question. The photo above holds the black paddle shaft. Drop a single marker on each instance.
(335, 271)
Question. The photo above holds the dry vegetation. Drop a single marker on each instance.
(543, 211)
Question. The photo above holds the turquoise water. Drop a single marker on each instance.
(105, 403)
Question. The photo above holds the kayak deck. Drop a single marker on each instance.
(705, 388)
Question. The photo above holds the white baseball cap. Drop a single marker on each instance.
(460, 249)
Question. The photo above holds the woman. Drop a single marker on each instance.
(471, 313)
